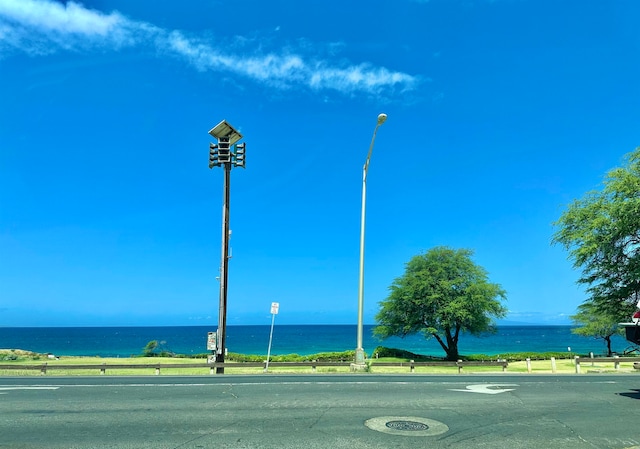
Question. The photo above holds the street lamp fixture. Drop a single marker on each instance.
(359, 357)
(227, 153)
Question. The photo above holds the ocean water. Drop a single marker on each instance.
(287, 339)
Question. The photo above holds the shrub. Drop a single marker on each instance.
(321, 357)
(155, 349)
(509, 357)
(382, 351)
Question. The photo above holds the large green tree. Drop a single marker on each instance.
(595, 323)
(601, 231)
(441, 294)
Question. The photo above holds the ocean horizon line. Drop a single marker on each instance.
(288, 339)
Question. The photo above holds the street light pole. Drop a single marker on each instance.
(359, 357)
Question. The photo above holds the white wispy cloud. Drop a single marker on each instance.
(41, 27)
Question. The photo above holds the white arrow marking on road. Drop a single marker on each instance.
(488, 389)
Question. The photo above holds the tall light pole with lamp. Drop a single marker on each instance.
(226, 154)
(359, 359)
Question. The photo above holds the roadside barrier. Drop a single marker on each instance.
(459, 364)
(44, 368)
(616, 360)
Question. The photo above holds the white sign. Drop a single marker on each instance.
(211, 341)
(274, 308)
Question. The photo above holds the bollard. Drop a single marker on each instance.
(528, 365)
(413, 367)
(553, 365)
(577, 362)
(616, 364)
(591, 355)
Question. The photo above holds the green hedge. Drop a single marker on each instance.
(345, 356)
(520, 356)
(382, 351)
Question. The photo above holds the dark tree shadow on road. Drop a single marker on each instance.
(633, 394)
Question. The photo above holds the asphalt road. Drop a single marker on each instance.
(329, 411)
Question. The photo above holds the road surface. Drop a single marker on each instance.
(328, 411)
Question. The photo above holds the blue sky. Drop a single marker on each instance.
(499, 114)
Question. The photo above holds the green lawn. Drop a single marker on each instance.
(563, 366)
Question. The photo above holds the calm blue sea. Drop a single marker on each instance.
(287, 339)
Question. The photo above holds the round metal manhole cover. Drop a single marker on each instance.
(410, 426)
(407, 426)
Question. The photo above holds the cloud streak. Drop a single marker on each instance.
(42, 27)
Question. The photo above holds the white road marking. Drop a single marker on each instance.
(4, 389)
(488, 388)
(28, 388)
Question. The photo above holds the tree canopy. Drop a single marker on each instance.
(596, 323)
(441, 294)
(601, 231)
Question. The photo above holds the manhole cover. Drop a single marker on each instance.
(407, 426)
(411, 426)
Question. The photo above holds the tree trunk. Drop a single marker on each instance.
(452, 354)
(452, 343)
(451, 346)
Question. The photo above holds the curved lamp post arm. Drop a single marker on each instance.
(381, 120)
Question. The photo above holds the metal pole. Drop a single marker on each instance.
(359, 349)
(224, 270)
(273, 319)
(359, 358)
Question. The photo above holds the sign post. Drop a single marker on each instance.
(274, 311)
